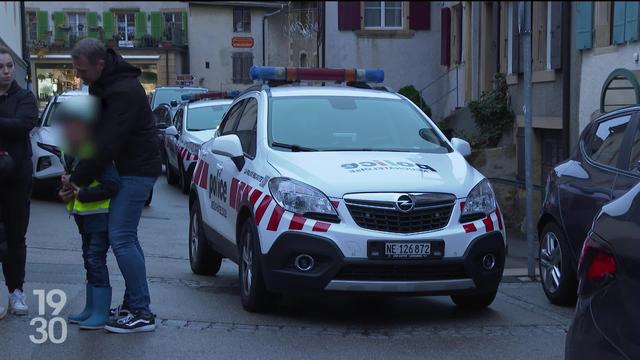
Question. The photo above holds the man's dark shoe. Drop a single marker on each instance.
(118, 312)
(132, 323)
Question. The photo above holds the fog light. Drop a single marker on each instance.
(44, 162)
(303, 262)
(489, 262)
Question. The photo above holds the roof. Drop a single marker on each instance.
(180, 87)
(282, 91)
(205, 103)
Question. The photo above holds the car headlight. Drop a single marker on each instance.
(480, 202)
(300, 198)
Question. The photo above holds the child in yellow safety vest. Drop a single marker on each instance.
(89, 206)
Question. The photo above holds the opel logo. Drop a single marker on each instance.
(405, 203)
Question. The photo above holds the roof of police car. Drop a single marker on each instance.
(283, 91)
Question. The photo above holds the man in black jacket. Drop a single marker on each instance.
(18, 115)
(125, 135)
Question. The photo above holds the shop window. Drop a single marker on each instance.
(242, 62)
(241, 19)
(383, 14)
(126, 25)
(172, 25)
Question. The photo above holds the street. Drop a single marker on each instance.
(202, 317)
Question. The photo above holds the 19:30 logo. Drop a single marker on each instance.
(54, 329)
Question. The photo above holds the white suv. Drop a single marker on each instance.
(342, 189)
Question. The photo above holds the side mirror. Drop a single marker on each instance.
(171, 131)
(174, 103)
(461, 146)
(229, 146)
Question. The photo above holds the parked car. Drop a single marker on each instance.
(193, 124)
(604, 166)
(45, 145)
(607, 318)
(172, 95)
(343, 189)
(162, 115)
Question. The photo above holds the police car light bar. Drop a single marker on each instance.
(211, 95)
(266, 73)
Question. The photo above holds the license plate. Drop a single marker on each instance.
(406, 250)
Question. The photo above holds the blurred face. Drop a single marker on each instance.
(76, 133)
(7, 70)
(87, 71)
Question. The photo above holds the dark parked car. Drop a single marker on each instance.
(607, 318)
(603, 167)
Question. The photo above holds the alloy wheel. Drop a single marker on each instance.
(194, 236)
(247, 263)
(550, 262)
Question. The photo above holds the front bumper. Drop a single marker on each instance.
(334, 272)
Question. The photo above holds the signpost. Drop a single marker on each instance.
(244, 42)
(184, 80)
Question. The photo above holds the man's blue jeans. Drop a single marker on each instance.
(124, 216)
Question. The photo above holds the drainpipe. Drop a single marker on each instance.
(264, 20)
(25, 50)
(324, 32)
(566, 77)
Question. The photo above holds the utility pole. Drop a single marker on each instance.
(524, 13)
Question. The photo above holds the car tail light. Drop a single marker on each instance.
(597, 265)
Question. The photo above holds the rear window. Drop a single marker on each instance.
(205, 118)
(605, 142)
(164, 96)
(345, 123)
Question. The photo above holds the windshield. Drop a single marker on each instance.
(206, 117)
(48, 121)
(164, 96)
(332, 123)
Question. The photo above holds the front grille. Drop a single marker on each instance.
(383, 216)
(395, 272)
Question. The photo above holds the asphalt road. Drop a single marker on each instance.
(201, 317)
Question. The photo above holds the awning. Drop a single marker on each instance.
(68, 56)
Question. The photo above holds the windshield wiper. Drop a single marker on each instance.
(292, 147)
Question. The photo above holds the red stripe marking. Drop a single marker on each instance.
(196, 175)
(264, 204)
(232, 194)
(321, 226)
(469, 227)
(276, 216)
(335, 203)
(188, 156)
(205, 175)
(245, 194)
(297, 222)
(195, 157)
(239, 193)
(461, 206)
(488, 223)
(255, 195)
(499, 218)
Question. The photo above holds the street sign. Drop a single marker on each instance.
(184, 79)
(242, 42)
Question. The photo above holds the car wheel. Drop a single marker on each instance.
(171, 177)
(557, 276)
(184, 180)
(253, 292)
(202, 258)
(474, 301)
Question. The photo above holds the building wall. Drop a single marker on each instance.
(411, 60)
(11, 36)
(100, 6)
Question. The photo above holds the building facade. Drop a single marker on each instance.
(150, 35)
(11, 37)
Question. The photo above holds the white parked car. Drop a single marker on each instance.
(45, 145)
(193, 124)
(347, 189)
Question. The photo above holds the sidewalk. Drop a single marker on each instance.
(516, 263)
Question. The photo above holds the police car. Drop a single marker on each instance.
(194, 123)
(45, 145)
(343, 189)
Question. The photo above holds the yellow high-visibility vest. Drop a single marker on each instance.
(76, 207)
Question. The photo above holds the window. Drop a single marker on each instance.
(32, 26)
(77, 24)
(634, 161)
(205, 117)
(126, 24)
(303, 60)
(241, 19)
(606, 140)
(178, 120)
(383, 14)
(242, 62)
(246, 130)
(171, 24)
(230, 120)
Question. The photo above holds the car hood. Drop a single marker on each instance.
(47, 135)
(339, 173)
(202, 136)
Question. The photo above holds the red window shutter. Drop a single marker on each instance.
(348, 15)
(419, 15)
(445, 36)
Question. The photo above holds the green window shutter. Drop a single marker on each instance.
(631, 21)
(42, 25)
(107, 24)
(92, 24)
(156, 25)
(58, 21)
(185, 28)
(584, 24)
(141, 24)
(619, 18)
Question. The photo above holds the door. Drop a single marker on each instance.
(216, 209)
(172, 141)
(588, 184)
(629, 163)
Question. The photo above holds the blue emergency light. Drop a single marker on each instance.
(266, 73)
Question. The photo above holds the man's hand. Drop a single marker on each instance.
(66, 194)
